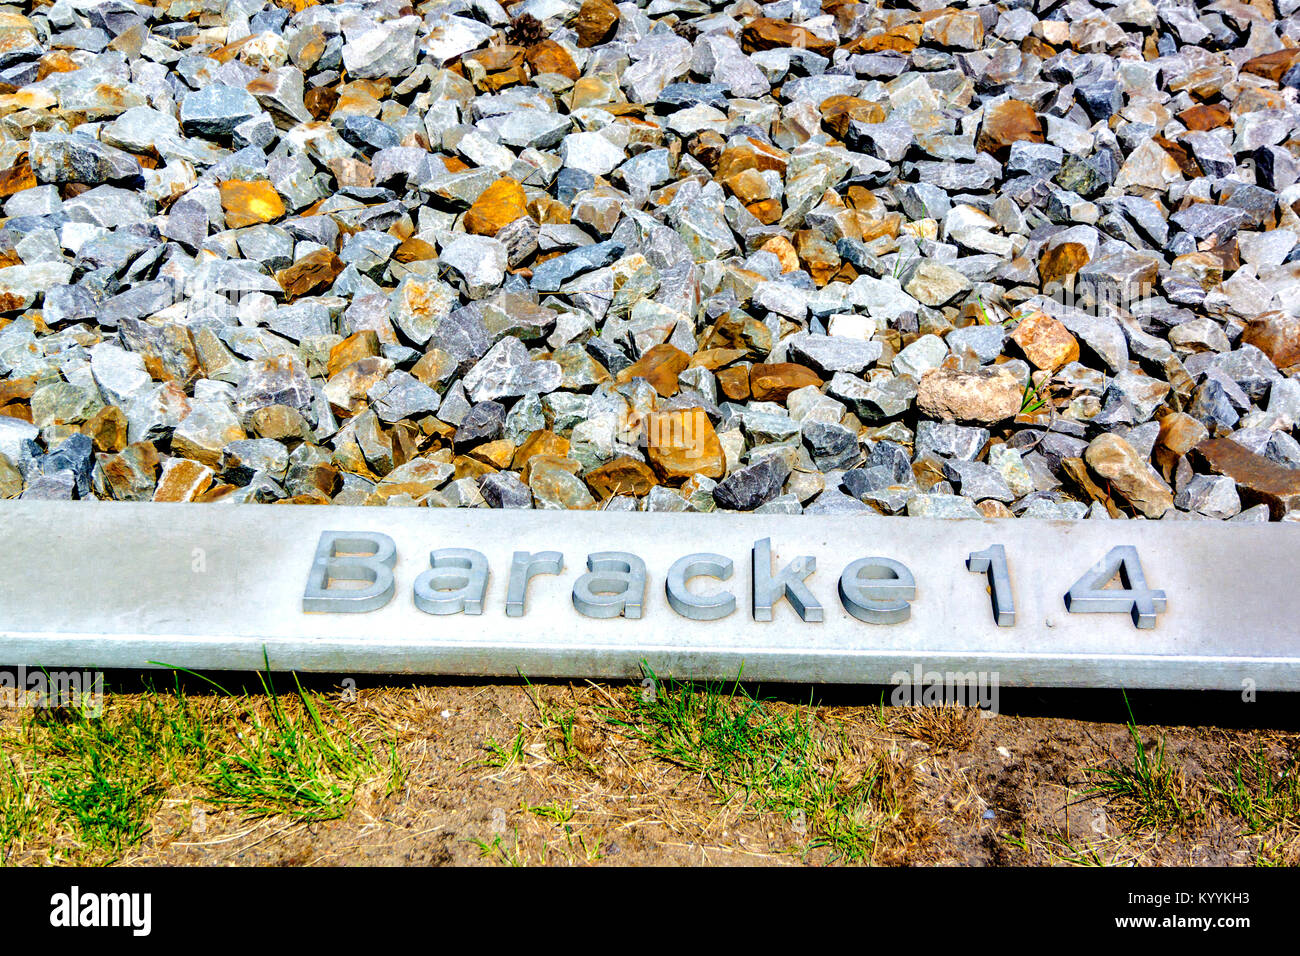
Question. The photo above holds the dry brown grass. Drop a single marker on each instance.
(584, 773)
(948, 727)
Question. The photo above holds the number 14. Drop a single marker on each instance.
(1088, 595)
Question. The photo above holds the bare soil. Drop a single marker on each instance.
(1011, 789)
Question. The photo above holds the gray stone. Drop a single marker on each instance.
(828, 354)
(753, 485)
(948, 440)
(876, 400)
(507, 370)
(74, 158)
(215, 111)
(942, 506)
(553, 273)
(831, 445)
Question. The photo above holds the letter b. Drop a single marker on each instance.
(366, 556)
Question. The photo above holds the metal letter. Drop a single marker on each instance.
(877, 590)
(1089, 594)
(614, 585)
(455, 582)
(993, 562)
(770, 588)
(522, 568)
(351, 556)
(700, 607)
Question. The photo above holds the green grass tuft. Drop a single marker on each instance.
(775, 760)
(83, 787)
(1151, 792)
(305, 762)
(1263, 798)
(1034, 399)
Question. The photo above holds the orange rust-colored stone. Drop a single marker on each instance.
(733, 161)
(182, 480)
(1008, 122)
(888, 225)
(622, 476)
(107, 429)
(737, 330)
(766, 211)
(1179, 434)
(1045, 342)
(541, 442)
(313, 272)
(1205, 116)
(660, 366)
(495, 453)
(281, 422)
(56, 61)
(499, 205)
(358, 345)
(900, 39)
(682, 443)
(414, 249)
(768, 156)
(17, 178)
(748, 186)
(595, 22)
(357, 98)
(765, 33)
(1277, 335)
(773, 382)
(549, 57)
(494, 58)
(306, 498)
(503, 65)
(125, 473)
(1061, 261)
(320, 101)
(1181, 155)
(548, 211)
(817, 256)
(1259, 480)
(713, 359)
(838, 111)
(548, 462)
(249, 203)
(783, 249)
(347, 388)
(1033, 45)
(226, 53)
(17, 389)
(17, 410)
(467, 467)
(175, 358)
(1272, 65)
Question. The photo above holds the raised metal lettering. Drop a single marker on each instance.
(351, 556)
(522, 568)
(700, 607)
(993, 562)
(877, 590)
(1089, 594)
(455, 582)
(614, 585)
(788, 583)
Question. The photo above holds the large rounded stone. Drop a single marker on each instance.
(1117, 465)
(984, 396)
